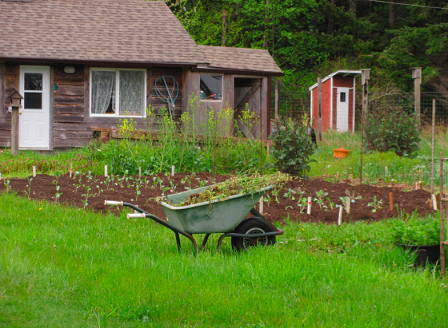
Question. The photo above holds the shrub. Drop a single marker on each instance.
(416, 231)
(391, 130)
(292, 146)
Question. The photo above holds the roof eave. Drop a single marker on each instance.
(236, 71)
(95, 62)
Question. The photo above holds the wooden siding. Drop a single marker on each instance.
(343, 81)
(70, 119)
(10, 77)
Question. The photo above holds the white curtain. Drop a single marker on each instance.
(132, 92)
(103, 87)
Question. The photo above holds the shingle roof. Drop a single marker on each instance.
(240, 59)
(95, 30)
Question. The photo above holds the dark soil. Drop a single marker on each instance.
(43, 187)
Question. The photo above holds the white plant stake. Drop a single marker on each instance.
(139, 171)
(172, 171)
(341, 209)
(0, 176)
(105, 170)
(71, 170)
(347, 205)
(387, 172)
(308, 210)
(34, 171)
(261, 206)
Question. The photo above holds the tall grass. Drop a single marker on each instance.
(80, 269)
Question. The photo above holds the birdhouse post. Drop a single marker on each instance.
(15, 103)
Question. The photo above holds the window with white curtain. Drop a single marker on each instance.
(117, 92)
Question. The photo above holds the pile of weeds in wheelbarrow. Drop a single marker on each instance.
(237, 186)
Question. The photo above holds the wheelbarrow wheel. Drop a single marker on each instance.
(250, 226)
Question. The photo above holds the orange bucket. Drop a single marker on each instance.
(341, 153)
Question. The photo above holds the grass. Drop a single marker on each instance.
(63, 266)
(377, 166)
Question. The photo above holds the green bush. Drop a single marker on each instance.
(292, 146)
(416, 231)
(391, 130)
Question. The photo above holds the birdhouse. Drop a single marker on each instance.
(15, 99)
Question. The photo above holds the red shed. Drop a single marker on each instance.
(338, 101)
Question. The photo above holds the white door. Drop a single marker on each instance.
(34, 120)
(342, 110)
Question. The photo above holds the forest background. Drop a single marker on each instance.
(312, 38)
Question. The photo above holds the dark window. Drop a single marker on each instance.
(211, 87)
(33, 100)
(342, 97)
(33, 81)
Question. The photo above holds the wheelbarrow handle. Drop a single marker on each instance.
(136, 216)
(113, 202)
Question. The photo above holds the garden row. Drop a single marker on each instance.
(90, 191)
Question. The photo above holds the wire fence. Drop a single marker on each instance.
(297, 103)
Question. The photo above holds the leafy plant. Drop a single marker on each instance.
(415, 230)
(391, 129)
(293, 147)
(376, 204)
(320, 198)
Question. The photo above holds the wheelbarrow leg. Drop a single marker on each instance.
(177, 240)
(205, 240)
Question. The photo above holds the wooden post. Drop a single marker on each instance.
(442, 209)
(15, 131)
(433, 143)
(365, 76)
(340, 215)
(391, 201)
(15, 101)
(276, 99)
(319, 108)
(417, 76)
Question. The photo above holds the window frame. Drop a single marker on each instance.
(222, 87)
(117, 91)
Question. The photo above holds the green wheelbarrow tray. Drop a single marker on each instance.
(219, 215)
(225, 215)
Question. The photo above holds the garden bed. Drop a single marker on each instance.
(89, 192)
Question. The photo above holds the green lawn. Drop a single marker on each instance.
(65, 267)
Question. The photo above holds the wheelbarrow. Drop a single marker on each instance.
(225, 215)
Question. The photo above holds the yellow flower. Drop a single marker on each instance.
(40, 208)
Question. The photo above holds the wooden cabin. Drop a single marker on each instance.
(81, 64)
(338, 101)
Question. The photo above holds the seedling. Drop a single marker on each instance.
(302, 204)
(330, 203)
(28, 191)
(86, 196)
(267, 198)
(290, 194)
(320, 198)
(57, 194)
(376, 204)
